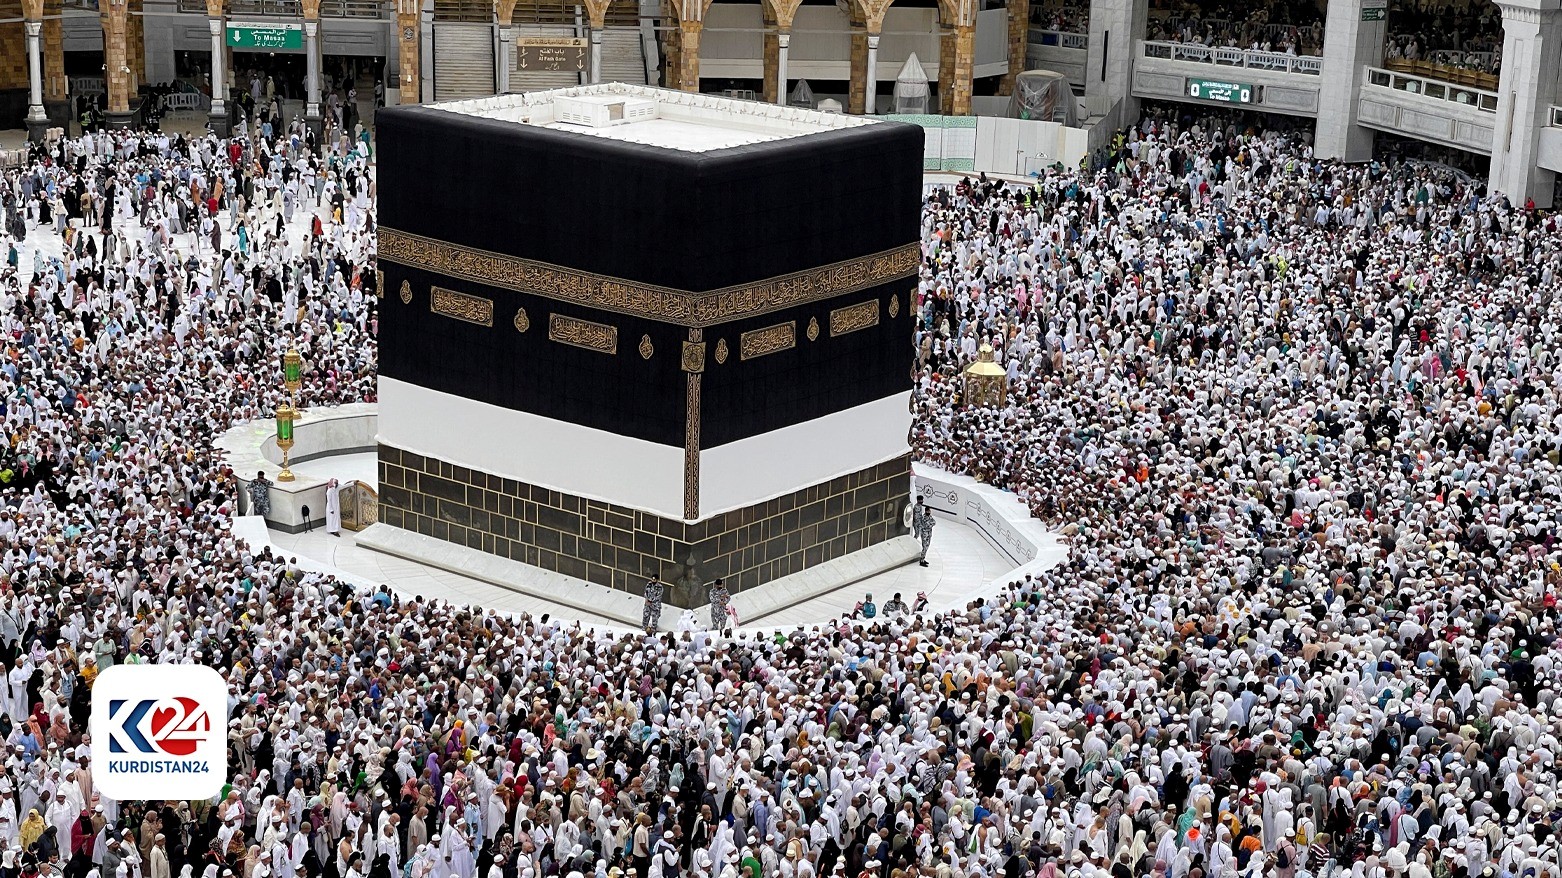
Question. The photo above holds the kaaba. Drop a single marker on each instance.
(630, 331)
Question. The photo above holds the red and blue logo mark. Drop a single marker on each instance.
(157, 727)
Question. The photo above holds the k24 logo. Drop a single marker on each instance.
(159, 732)
(170, 726)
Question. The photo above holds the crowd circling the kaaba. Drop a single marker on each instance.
(1298, 421)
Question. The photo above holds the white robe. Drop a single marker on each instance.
(333, 510)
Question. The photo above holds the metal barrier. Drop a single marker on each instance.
(1435, 89)
(186, 100)
(86, 85)
(1280, 62)
(1061, 39)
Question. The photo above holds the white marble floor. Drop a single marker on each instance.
(363, 467)
(959, 563)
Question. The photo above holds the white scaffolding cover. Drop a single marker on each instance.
(911, 91)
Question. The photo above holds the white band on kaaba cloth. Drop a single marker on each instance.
(630, 472)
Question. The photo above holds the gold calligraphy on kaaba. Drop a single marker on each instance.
(759, 342)
(472, 309)
(583, 333)
(694, 356)
(683, 307)
(854, 317)
(691, 431)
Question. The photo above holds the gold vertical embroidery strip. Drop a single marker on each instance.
(691, 439)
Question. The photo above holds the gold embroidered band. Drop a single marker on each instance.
(653, 302)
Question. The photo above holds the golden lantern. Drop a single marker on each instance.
(286, 415)
(292, 370)
(986, 384)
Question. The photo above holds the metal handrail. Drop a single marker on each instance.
(1280, 62)
(1434, 89)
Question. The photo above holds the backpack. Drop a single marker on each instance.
(1283, 857)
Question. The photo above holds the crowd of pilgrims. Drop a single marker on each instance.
(1462, 33)
(1297, 420)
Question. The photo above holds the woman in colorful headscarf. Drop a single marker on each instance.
(32, 828)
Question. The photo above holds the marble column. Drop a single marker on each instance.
(1531, 54)
(217, 117)
(870, 98)
(506, 60)
(783, 39)
(312, 77)
(596, 55)
(37, 119)
(1352, 41)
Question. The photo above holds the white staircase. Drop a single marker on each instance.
(622, 57)
(541, 80)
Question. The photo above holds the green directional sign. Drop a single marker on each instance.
(1374, 13)
(266, 37)
(1225, 92)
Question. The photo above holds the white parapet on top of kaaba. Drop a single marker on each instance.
(655, 116)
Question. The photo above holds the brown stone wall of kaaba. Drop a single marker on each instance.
(621, 547)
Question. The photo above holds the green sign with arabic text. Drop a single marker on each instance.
(265, 37)
(1225, 92)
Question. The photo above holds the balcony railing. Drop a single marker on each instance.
(1454, 58)
(1061, 39)
(292, 8)
(1280, 62)
(1435, 89)
(1455, 75)
(86, 85)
